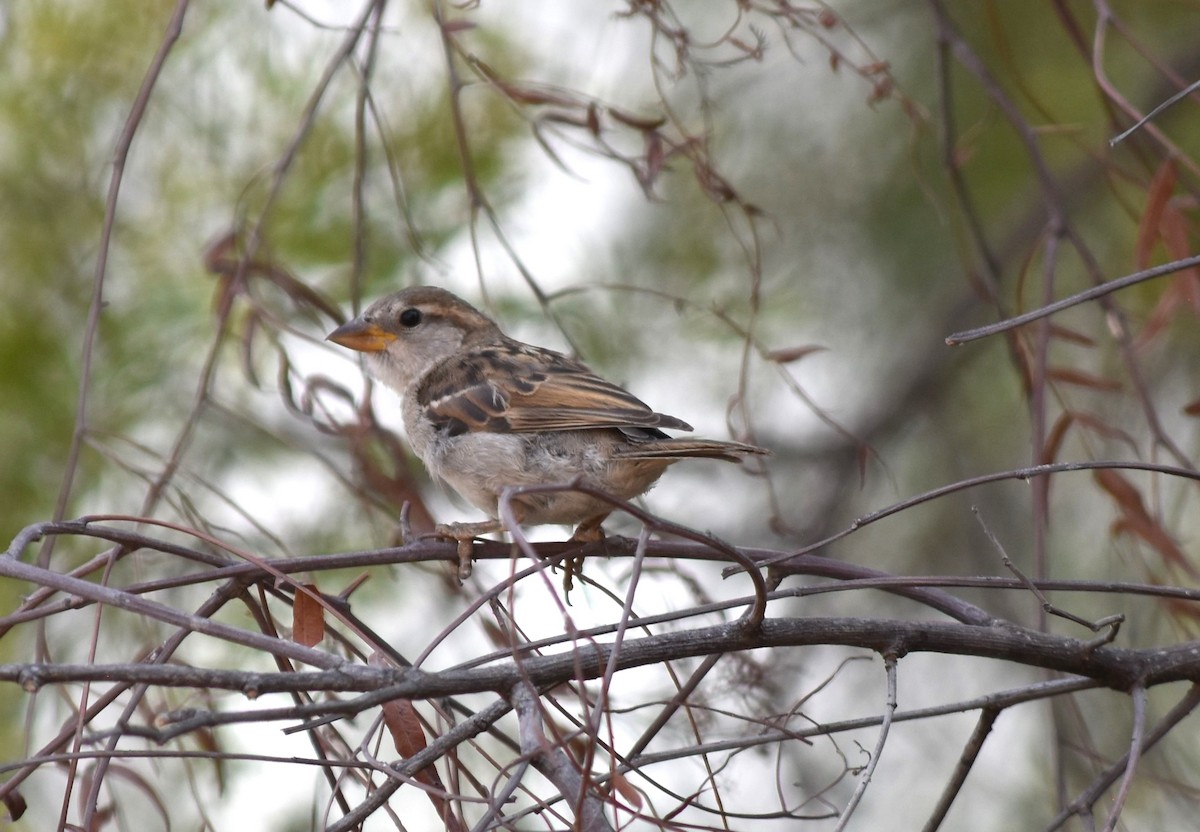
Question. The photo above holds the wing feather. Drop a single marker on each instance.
(514, 387)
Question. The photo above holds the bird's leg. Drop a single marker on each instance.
(465, 534)
(588, 531)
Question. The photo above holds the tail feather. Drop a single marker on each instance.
(697, 448)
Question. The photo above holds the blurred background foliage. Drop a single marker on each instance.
(842, 231)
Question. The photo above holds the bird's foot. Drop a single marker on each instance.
(464, 534)
(588, 531)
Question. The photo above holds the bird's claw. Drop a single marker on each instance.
(464, 535)
(589, 531)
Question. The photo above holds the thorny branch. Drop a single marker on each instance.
(1114, 667)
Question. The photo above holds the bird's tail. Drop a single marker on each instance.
(699, 448)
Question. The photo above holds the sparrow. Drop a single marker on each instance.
(486, 412)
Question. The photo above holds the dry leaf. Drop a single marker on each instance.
(15, 805)
(1175, 237)
(1054, 438)
(308, 616)
(408, 736)
(1163, 313)
(637, 122)
(1136, 520)
(1149, 227)
(1067, 375)
(405, 727)
(624, 788)
(790, 354)
(1063, 333)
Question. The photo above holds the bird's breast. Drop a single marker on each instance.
(479, 465)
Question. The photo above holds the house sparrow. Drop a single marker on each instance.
(485, 412)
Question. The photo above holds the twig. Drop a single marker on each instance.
(984, 479)
(455, 736)
(1170, 102)
(889, 661)
(1132, 757)
(1106, 288)
(1083, 803)
(158, 657)
(158, 611)
(998, 701)
(970, 753)
(1110, 623)
(554, 764)
(120, 157)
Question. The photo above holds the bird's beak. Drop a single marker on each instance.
(362, 336)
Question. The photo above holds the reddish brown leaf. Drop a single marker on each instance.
(1192, 408)
(636, 122)
(207, 740)
(1136, 520)
(249, 331)
(221, 257)
(880, 90)
(296, 289)
(1054, 438)
(1157, 194)
(1184, 288)
(408, 736)
(308, 617)
(1128, 498)
(1190, 286)
(787, 355)
(1063, 333)
(738, 43)
(1067, 375)
(1174, 229)
(559, 117)
(1099, 426)
(496, 636)
(1058, 433)
(1182, 608)
(624, 788)
(15, 804)
(1175, 236)
(538, 95)
(654, 156)
(405, 727)
(1178, 242)
(1162, 314)
(578, 746)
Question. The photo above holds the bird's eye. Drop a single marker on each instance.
(410, 317)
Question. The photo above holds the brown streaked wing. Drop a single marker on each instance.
(519, 388)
